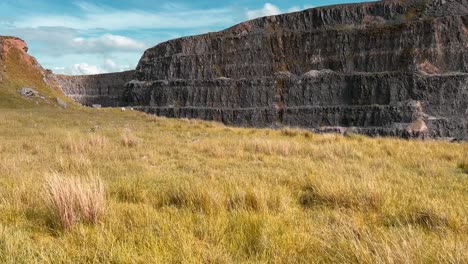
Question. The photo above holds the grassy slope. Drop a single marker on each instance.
(16, 73)
(192, 191)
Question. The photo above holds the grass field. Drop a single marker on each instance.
(180, 191)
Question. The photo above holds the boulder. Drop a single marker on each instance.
(28, 92)
(61, 103)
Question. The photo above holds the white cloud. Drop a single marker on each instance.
(294, 9)
(85, 69)
(111, 66)
(267, 10)
(105, 43)
(105, 66)
(59, 41)
(169, 17)
(271, 10)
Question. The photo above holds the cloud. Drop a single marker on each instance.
(267, 10)
(294, 9)
(271, 10)
(93, 16)
(105, 43)
(84, 69)
(59, 41)
(111, 66)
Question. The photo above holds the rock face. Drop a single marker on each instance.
(103, 89)
(370, 37)
(389, 68)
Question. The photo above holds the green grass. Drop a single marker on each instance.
(191, 191)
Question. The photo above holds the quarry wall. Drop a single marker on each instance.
(396, 68)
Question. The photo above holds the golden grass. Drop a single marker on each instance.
(129, 140)
(186, 191)
(73, 200)
(463, 166)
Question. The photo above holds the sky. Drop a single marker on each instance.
(90, 37)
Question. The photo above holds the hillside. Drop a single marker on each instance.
(18, 70)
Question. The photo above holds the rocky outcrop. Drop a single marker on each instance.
(23, 81)
(17, 47)
(396, 68)
(103, 89)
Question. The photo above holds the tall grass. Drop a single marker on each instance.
(72, 200)
(190, 191)
(129, 140)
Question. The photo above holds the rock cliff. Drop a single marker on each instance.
(388, 68)
(397, 68)
(103, 89)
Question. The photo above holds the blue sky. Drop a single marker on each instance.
(88, 37)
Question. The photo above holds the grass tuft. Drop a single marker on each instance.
(268, 147)
(463, 166)
(427, 218)
(255, 200)
(73, 200)
(192, 197)
(89, 144)
(351, 198)
(129, 140)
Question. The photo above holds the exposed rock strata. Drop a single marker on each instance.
(339, 38)
(103, 89)
(374, 104)
(397, 68)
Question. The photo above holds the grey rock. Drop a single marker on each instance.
(103, 89)
(96, 106)
(62, 103)
(27, 92)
